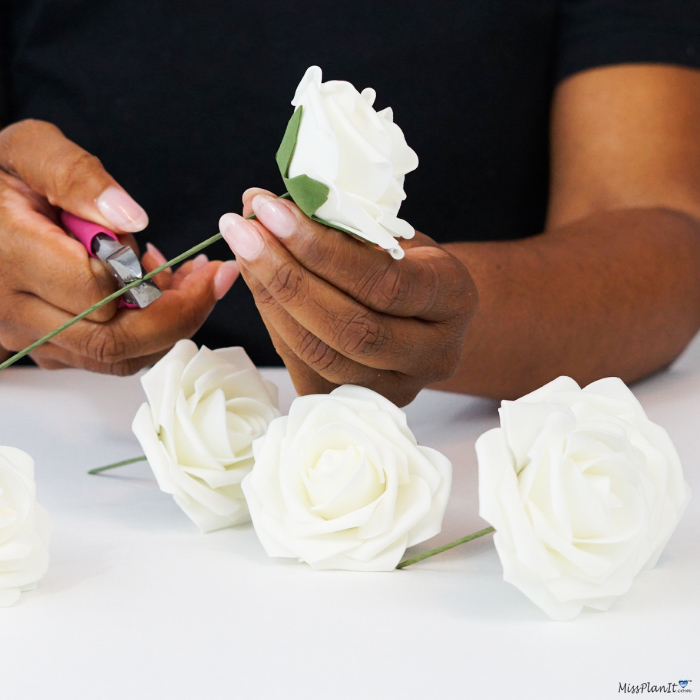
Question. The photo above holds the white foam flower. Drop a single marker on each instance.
(341, 483)
(25, 527)
(205, 408)
(584, 492)
(336, 138)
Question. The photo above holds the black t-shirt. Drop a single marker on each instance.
(185, 103)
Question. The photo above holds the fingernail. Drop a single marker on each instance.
(121, 210)
(157, 256)
(252, 191)
(200, 261)
(241, 236)
(274, 215)
(225, 277)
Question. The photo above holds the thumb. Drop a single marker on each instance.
(67, 176)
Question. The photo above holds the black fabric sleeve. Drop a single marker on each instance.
(4, 61)
(594, 33)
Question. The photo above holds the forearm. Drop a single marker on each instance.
(615, 294)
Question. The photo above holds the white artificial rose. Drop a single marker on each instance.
(584, 491)
(341, 483)
(358, 153)
(205, 408)
(25, 527)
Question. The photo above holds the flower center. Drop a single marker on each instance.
(342, 481)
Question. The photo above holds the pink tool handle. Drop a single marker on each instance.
(85, 231)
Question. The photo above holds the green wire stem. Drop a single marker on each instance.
(115, 295)
(444, 548)
(107, 300)
(401, 565)
(187, 254)
(123, 463)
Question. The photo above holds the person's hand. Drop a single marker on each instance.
(46, 277)
(340, 311)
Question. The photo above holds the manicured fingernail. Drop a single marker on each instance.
(252, 191)
(157, 256)
(225, 277)
(200, 261)
(122, 211)
(274, 215)
(242, 237)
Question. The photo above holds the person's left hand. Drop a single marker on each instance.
(340, 311)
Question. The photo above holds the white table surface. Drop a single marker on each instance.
(138, 604)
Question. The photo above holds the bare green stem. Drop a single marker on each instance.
(123, 463)
(444, 548)
(107, 300)
(187, 254)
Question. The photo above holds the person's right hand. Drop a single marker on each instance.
(46, 277)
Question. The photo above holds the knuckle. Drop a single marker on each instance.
(31, 126)
(8, 338)
(359, 333)
(287, 282)
(460, 281)
(45, 363)
(398, 287)
(71, 172)
(404, 395)
(315, 353)
(377, 285)
(115, 369)
(127, 368)
(104, 313)
(398, 388)
(322, 250)
(190, 318)
(104, 345)
(13, 134)
(463, 312)
(93, 287)
(427, 289)
(263, 298)
(12, 309)
(8, 198)
(15, 138)
(449, 356)
(447, 292)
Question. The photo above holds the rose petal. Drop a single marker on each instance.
(432, 524)
(25, 527)
(341, 483)
(361, 156)
(211, 405)
(160, 381)
(576, 488)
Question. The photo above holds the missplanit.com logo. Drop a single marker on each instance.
(647, 687)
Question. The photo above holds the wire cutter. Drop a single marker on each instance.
(101, 243)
